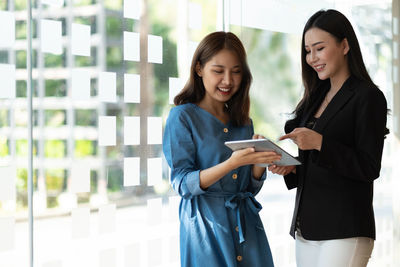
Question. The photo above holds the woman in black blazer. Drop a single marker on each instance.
(339, 127)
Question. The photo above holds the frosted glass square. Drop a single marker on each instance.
(107, 218)
(154, 211)
(80, 222)
(80, 177)
(7, 233)
(173, 206)
(131, 46)
(8, 176)
(154, 130)
(132, 255)
(155, 259)
(107, 131)
(155, 49)
(132, 9)
(108, 86)
(108, 258)
(175, 86)
(174, 248)
(7, 29)
(132, 130)
(132, 88)
(80, 39)
(80, 84)
(195, 16)
(154, 171)
(7, 78)
(51, 36)
(131, 171)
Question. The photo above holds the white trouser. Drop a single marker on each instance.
(348, 252)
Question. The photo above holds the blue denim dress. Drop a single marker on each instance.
(220, 226)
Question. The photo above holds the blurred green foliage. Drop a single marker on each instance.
(54, 118)
(3, 57)
(3, 147)
(4, 118)
(84, 2)
(21, 59)
(85, 148)
(21, 147)
(54, 61)
(84, 61)
(85, 117)
(20, 4)
(114, 57)
(113, 27)
(55, 149)
(114, 179)
(22, 181)
(55, 88)
(113, 4)
(55, 179)
(21, 88)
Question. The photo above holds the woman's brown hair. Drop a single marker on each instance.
(238, 105)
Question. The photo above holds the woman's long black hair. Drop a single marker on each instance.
(336, 24)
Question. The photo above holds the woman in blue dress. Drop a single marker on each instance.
(219, 221)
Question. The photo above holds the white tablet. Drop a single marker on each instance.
(264, 145)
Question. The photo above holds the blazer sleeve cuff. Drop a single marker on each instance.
(291, 180)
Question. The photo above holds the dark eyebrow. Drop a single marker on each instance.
(314, 44)
(221, 66)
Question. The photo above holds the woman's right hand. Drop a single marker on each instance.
(249, 156)
(281, 170)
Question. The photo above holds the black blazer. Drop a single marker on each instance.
(335, 185)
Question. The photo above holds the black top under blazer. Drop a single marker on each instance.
(335, 185)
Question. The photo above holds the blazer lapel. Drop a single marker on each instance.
(313, 108)
(338, 101)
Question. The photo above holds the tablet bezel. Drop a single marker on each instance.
(265, 145)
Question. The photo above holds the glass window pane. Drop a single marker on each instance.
(101, 188)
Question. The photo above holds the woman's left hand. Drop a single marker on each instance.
(257, 170)
(304, 138)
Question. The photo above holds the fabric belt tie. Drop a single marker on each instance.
(236, 201)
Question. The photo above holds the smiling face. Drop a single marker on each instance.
(326, 55)
(221, 75)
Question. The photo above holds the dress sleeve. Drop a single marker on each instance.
(255, 185)
(362, 161)
(180, 152)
